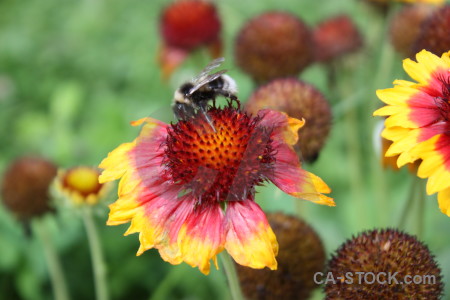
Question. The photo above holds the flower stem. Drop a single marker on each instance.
(230, 272)
(172, 278)
(408, 204)
(98, 262)
(415, 201)
(420, 209)
(56, 273)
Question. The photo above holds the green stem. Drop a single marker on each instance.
(56, 273)
(382, 77)
(163, 289)
(353, 144)
(415, 201)
(98, 262)
(408, 206)
(420, 208)
(230, 272)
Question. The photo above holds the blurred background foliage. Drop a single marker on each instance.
(73, 74)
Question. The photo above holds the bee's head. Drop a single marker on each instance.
(181, 94)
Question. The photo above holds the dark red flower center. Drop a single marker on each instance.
(222, 162)
(443, 102)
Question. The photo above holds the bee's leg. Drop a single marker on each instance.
(203, 109)
(183, 111)
(226, 94)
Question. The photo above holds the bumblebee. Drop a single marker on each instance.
(194, 95)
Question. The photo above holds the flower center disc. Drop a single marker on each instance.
(82, 180)
(222, 162)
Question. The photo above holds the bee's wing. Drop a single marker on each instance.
(206, 79)
(204, 76)
(211, 66)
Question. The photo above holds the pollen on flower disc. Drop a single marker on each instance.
(188, 24)
(274, 44)
(25, 188)
(220, 163)
(301, 255)
(300, 100)
(388, 251)
(83, 180)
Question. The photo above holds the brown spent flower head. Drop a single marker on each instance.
(25, 188)
(301, 255)
(434, 35)
(189, 24)
(405, 26)
(299, 100)
(388, 251)
(335, 37)
(272, 45)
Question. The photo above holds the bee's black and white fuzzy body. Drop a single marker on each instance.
(194, 95)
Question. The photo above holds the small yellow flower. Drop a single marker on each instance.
(80, 185)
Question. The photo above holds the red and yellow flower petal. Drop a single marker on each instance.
(411, 109)
(117, 163)
(398, 95)
(403, 141)
(199, 244)
(249, 237)
(288, 174)
(284, 127)
(435, 155)
(444, 201)
(121, 159)
(423, 70)
(293, 180)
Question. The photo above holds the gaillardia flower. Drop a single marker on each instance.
(186, 25)
(188, 188)
(418, 121)
(80, 185)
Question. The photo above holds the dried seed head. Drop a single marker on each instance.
(434, 35)
(405, 26)
(388, 251)
(25, 188)
(274, 44)
(299, 100)
(301, 255)
(336, 37)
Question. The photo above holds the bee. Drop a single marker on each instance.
(194, 95)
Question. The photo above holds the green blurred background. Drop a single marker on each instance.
(73, 74)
